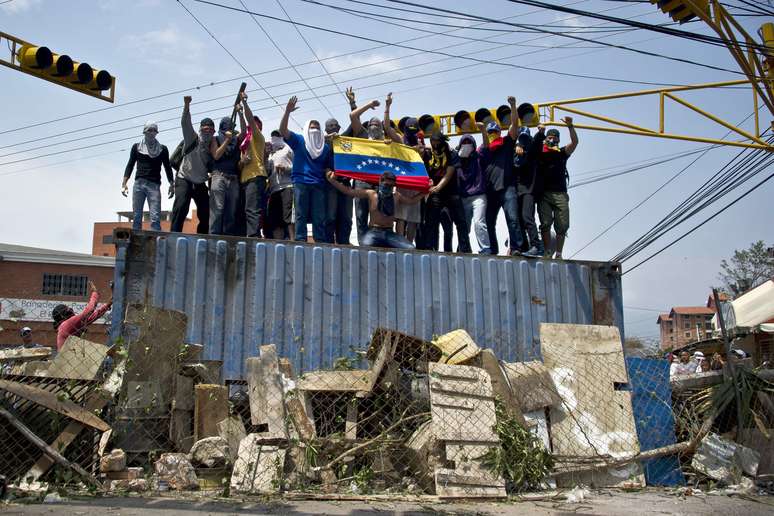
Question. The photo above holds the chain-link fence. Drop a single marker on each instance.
(402, 416)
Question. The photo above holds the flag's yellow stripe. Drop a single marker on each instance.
(363, 147)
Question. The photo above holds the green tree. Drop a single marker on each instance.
(747, 268)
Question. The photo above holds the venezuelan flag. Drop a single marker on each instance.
(366, 160)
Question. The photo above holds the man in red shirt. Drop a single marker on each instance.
(67, 322)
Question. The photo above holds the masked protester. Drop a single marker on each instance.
(530, 185)
(373, 131)
(67, 322)
(408, 216)
(442, 163)
(253, 170)
(312, 157)
(224, 189)
(279, 219)
(497, 161)
(554, 203)
(338, 225)
(382, 204)
(149, 155)
(472, 187)
(191, 178)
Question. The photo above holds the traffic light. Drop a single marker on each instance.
(429, 123)
(681, 10)
(766, 33)
(60, 69)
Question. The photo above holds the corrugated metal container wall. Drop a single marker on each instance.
(321, 302)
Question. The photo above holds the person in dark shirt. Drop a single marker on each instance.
(149, 155)
(497, 162)
(442, 163)
(530, 185)
(472, 185)
(554, 204)
(224, 188)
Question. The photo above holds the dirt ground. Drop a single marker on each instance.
(596, 502)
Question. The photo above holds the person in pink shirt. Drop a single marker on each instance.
(67, 322)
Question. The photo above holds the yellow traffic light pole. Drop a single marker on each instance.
(58, 69)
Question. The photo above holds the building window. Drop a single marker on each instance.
(671, 330)
(708, 325)
(64, 285)
(107, 239)
(687, 325)
(687, 334)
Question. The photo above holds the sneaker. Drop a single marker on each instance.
(558, 256)
(533, 252)
(514, 252)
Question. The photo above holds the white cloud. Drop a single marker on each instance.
(168, 48)
(570, 21)
(18, 6)
(370, 63)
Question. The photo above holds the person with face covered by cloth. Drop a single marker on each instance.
(191, 178)
(554, 204)
(530, 185)
(311, 158)
(253, 171)
(279, 218)
(382, 204)
(497, 162)
(472, 185)
(224, 190)
(408, 216)
(338, 225)
(441, 163)
(149, 155)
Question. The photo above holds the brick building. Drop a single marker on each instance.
(685, 324)
(102, 237)
(33, 281)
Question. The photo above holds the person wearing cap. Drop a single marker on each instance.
(252, 176)
(279, 217)
(191, 178)
(497, 161)
(338, 224)
(554, 203)
(312, 157)
(527, 150)
(701, 363)
(472, 186)
(26, 337)
(224, 187)
(149, 155)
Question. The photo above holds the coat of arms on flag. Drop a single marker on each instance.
(366, 160)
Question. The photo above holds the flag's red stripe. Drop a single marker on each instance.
(421, 184)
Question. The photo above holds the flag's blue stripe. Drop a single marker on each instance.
(378, 165)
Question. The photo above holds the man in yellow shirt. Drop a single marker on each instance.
(252, 177)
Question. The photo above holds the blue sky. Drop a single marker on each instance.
(155, 48)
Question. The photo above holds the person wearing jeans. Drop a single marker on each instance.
(149, 155)
(472, 187)
(224, 189)
(530, 185)
(312, 157)
(497, 162)
(253, 174)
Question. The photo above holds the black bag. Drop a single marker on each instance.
(176, 159)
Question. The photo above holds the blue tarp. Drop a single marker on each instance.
(652, 407)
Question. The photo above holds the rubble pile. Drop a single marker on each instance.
(444, 417)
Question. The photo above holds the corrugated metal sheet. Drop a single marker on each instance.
(321, 302)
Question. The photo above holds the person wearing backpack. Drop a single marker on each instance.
(193, 161)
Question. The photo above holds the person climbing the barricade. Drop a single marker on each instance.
(67, 322)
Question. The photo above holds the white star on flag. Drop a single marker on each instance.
(403, 172)
(384, 163)
(359, 167)
(370, 160)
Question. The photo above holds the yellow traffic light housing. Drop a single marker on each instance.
(58, 68)
(682, 11)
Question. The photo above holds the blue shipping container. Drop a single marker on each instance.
(320, 302)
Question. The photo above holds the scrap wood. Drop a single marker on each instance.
(78, 359)
(24, 354)
(55, 455)
(50, 401)
(580, 464)
(358, 380)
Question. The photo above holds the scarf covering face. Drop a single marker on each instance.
(149, 145)
(314, 141)
(375, 129)
(277, 143)
(438, 161)
(385, 202)
(225, 125)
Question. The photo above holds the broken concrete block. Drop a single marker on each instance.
(258, 468)
(114, 461)
(176, 470)
(456, 347)
(210, 408)
(133, 485)
(532, 386)
(232, 429)
(78, 359)
(723, 460)
(266, 393)
(210, 452)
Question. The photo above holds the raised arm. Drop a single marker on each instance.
(354, 116)
(250, 116)
(242, 123)
(189, 134)
(570, 147)
(350, 94)
(292, 106)
(485, 137)
(346, 190)
(218, 151)
(513, 130)
(391, 133)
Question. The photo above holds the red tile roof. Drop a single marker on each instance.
(692, 310)
(663, 317)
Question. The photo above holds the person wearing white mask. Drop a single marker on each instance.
(149, 155)
(472, 188)
(312, 158)
(279, 217)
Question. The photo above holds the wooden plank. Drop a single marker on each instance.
(266, 393)
(501, 387)
(78, 359)
(50, 401)
(24, 354)
(594, 419)
(350, 425)
(210, 408)
(336, 381)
